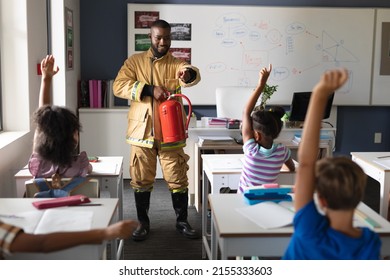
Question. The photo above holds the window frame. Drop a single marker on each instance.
(1, 104)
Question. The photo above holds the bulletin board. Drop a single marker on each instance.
(230, 44)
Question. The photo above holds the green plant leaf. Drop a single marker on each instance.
(268, 91)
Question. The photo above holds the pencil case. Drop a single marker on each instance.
(61, 201)
(254, 196)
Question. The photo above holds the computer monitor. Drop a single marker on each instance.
(231, 101)
(300, 103)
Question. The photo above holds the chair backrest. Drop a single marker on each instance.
(89, 188)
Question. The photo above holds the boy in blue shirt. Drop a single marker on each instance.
(339, 185)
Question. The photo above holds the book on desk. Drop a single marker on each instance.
(215, 140)
(324, 139)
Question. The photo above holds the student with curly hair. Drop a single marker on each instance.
(56, 136)
(263, 158)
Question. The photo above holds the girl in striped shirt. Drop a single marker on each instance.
(263, 158)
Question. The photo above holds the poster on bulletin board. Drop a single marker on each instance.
(230, 44)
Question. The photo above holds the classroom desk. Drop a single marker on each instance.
(224, 170)
(236, 235)
(102, 217)
(108, 171)
(200, 150)
(378, 172)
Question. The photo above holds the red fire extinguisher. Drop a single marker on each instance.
(172, 118)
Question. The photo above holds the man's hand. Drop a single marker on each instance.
(160, 93)
(184, 75)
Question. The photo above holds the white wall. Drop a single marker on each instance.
(23, 45)
(65, 85)
(72, 76)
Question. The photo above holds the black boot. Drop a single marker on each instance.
(180, 204)
(142, 202)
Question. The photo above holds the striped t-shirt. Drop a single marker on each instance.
(7, 236)
(260, 165)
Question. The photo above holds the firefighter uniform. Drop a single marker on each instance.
(144, 129)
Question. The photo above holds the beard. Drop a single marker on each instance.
(159, 54)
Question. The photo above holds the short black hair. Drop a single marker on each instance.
(161, 23)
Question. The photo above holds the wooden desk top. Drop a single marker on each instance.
(111, 162)
(230, 163)
(231, 223)
(102, 215)
(374, 159)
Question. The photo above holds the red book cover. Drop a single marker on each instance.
(91, 95)
(95, 94)
(99, 94)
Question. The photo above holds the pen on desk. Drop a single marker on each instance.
(10, 216)
(88, 204)
(384, 157)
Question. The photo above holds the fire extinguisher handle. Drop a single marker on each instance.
(189, 107)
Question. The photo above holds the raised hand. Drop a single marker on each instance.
(264, 74)
(47, 66)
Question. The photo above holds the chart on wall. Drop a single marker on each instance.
(230, 45)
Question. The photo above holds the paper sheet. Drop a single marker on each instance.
(385, 162)
(103, 168)
(268, 214)
(25, 220)
(54, 220)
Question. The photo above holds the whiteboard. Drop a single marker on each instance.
(381, 83)
(230, 44)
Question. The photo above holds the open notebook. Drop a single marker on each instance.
(50, 220)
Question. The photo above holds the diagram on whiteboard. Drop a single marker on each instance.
(230, 44)
(233, 31)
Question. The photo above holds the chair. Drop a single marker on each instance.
(89, 188)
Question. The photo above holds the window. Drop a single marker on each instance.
(1, 111)
(1, 108)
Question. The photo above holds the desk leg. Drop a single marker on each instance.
(119, 243)
(120, 195)
(115, 187)
(20, 187)
(384, 194)
(205, 237)
(214, 240)
(224, 255)
(115, 253)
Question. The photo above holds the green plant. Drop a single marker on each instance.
(265, 96)
(286, 117)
